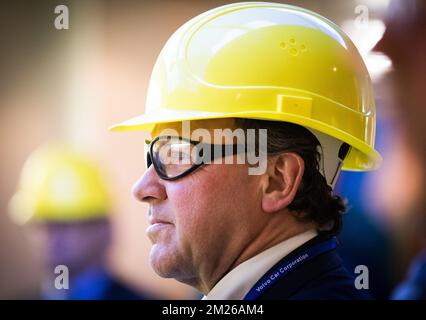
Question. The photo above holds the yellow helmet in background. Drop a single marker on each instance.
(265, 61)
(57, 183)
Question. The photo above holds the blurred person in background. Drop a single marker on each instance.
(404, 42)
(63, 195)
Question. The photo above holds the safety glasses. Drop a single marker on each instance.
(175, 157)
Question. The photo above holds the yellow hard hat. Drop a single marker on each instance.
(57, 183)
(265, 61)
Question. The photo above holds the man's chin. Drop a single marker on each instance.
(162, 261)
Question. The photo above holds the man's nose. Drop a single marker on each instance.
(149, 187)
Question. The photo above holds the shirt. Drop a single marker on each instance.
(238, 282)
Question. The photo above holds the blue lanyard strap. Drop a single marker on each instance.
(288, 265)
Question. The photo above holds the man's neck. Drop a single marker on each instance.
(269, 236)
(266, 240)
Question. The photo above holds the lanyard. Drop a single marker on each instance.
(288, 265)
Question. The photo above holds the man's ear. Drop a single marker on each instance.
(283, 177)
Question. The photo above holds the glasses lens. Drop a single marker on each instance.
(173, 156)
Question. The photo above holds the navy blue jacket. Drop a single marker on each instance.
(321, 278)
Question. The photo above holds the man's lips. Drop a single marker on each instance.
(155, 220)
(156, 227)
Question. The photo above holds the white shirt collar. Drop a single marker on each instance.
(237, 283)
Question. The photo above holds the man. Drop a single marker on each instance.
(218, 225)
(64, 198)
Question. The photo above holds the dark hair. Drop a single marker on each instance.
(314, 200)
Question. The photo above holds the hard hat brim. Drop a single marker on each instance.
(362, 156)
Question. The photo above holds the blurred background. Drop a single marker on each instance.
(70, 85)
